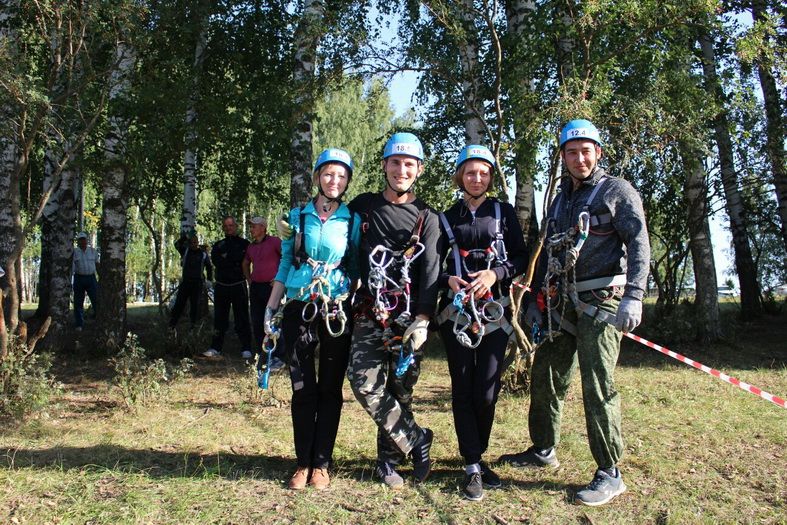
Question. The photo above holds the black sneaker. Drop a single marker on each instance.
(489, 477)
(473, 487)
(422, 463)
(602, 489)
(386, 473)
(531, 458)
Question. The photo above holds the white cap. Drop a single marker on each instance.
(82, 235)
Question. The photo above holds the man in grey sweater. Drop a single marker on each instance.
(603, 278)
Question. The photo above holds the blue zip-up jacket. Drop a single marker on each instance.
(324, 242)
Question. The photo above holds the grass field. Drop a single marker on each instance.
(215, 451)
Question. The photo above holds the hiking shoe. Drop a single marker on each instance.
(320, 479)
(246, 355)
(299, 479)
(473, 487)
(489, 477)
(422, 463)
(531, 457)
(602, 489)
(211, 353)
(385, 471)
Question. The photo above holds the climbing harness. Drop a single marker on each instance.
(320, 301)
(392, 296)
(471, 315)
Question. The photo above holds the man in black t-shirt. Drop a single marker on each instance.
(229, 289)
(399, 232)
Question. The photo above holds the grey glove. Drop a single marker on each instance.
(284, 229)
(416, 333)
(533, 315)
(268, 323)
(629, 314)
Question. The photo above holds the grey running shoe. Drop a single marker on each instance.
(489, 477)
(531, 457)
(422, 463)
(473, 487)
(602, 489)
(385, 471)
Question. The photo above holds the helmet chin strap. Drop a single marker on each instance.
(400, 193)
(326, 207)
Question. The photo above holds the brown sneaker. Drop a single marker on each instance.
(299, 479)
(320, 479)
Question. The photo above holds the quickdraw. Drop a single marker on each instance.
(405, 358)
(320, 302)
(269, 343)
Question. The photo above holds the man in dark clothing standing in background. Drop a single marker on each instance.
(229, 289)
(194, 261)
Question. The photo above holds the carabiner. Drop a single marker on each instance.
(305, 312)
(492, 311)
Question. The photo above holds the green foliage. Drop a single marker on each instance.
(140, 380)
(26, 385)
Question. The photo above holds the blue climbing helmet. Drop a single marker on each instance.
(579, 129)
(475, 151)
(404, 144)
(335, 155)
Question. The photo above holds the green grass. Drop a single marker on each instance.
(697, 450)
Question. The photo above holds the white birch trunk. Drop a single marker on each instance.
(744, 262)
(468, 60)
(188, 219)
(112, 270)
(706, 294)
(10, 224)
(307, 36)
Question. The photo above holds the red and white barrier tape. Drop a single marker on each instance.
(776, 400)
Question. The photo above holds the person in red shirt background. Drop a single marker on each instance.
(260, 266)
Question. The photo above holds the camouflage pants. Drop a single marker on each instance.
(595, 348)
(387, 398)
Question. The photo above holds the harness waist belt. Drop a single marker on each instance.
(601, 282)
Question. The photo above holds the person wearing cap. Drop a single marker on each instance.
(605, 287)
(319, 265)
(195, 263)
(487, 249)
(260, 266)
(84, 270)
(392, 220)
(229, 290)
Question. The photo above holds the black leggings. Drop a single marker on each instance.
(316, 399)
(475, 385)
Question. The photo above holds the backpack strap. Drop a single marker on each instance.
(498, 244)
(346, 257)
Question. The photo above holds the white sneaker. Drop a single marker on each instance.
(77, 328)
(276, 364)
(246, 354)
(210, 352)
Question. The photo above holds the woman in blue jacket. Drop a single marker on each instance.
(319, 263)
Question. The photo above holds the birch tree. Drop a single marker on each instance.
(744, 263)
(112, 270)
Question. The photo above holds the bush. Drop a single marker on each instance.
(142, 381)
(25, 383)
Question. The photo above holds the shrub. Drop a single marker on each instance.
(142, 381)
(25, 383)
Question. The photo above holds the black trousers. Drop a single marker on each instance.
(316, 394)
(187, 291)
(224, 298)
(475, 385)
(259, 293)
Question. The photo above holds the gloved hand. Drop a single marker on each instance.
(629, 314)
(284, 229)
(416, 332)
(268, 323)
(533, 315)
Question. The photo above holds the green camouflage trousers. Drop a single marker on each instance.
(596, 348)
(387, 398)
